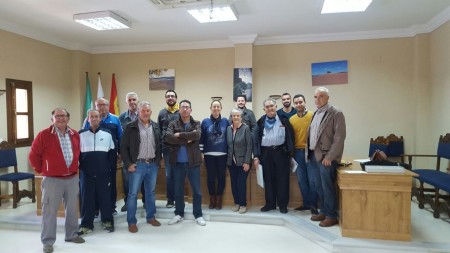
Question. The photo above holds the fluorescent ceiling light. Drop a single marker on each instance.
(216, 14)
(338, 6)
(102, 20)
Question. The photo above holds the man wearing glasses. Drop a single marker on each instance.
(110, 122)
(54, 154)
(166, 115)
(183, 136)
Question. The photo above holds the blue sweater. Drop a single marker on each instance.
(213, 140)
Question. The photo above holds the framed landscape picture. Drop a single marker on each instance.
(333, 72)
(161, 79)
(242, 83)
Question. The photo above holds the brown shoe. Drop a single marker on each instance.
(328, 222)
(212, 201)
(218, 202)
(318, 217)
(132, 228)
(154, 222)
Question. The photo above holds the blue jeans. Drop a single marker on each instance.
(170, 185)
(304, 177)
(180, 171)
(324, 181)
(147, 173)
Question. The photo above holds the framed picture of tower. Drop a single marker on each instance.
(242, 83)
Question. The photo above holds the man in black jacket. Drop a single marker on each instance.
(274, 139)
(141, 154)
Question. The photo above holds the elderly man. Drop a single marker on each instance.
(141, 154)
(110, 122)
(97, 146)
(183, 136)
(326, 136)
(300, 123)
(248, 117)
(54, 154)
(126, 117)
(166, 115)
(287, 109)
(274, 137)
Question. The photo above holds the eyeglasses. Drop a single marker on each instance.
(170, 96)
(60, 116)
(185, 107)
(102, 105)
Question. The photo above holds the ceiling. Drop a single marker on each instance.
(259, 22)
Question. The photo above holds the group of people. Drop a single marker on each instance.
(314, 140)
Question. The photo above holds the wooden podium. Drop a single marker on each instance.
(375, 205)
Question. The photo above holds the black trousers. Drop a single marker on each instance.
(275, 164)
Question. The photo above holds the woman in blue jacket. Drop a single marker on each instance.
(213, 144)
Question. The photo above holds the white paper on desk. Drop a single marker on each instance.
(294, 165)
(259, 176)
(362, 160)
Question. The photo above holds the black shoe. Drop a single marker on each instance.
(302, 208)
(114, 212)
(170, 203)
(124, 208)
(314, 211)
(108, 226)
(283, 210)
(267, 208)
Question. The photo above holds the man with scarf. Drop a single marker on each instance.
(274, 146)
(166, 115)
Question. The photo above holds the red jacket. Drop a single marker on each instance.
(46, 155)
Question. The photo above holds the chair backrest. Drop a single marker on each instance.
(379, 143)
(8, 158)
(396, 146)
(444, 146)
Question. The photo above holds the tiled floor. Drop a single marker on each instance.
(225, 232)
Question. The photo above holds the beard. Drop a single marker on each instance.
(287, 105)
(171, 103)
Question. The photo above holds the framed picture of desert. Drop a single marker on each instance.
(162, 79)
(333, 72)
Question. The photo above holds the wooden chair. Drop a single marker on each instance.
(8, 159)
(437, 179)
(396, 146)
(379, 143)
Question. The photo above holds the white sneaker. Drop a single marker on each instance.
(242, 209)
(235, 208)
(176, 219)
(201, 221)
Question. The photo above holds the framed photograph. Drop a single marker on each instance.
(333, 72)
(242, 83)
(161, 79)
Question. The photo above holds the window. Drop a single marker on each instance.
(19, 112)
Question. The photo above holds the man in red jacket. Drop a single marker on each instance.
(54, 154)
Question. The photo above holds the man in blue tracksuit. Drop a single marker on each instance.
(97, 148)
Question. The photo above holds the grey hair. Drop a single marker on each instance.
(104, 99)
(236, 110)
(322, 90)
(131, 94)
(144, 103)
(92, 110)
(269, 99)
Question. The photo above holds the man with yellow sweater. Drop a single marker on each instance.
(300, 123)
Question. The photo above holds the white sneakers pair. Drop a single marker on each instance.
(177, 218)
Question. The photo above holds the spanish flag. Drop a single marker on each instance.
(113, 102)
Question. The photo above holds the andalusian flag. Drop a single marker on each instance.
(88, 105)
(113, 102)
(100, 93)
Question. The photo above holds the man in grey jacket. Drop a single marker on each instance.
(326, 136)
